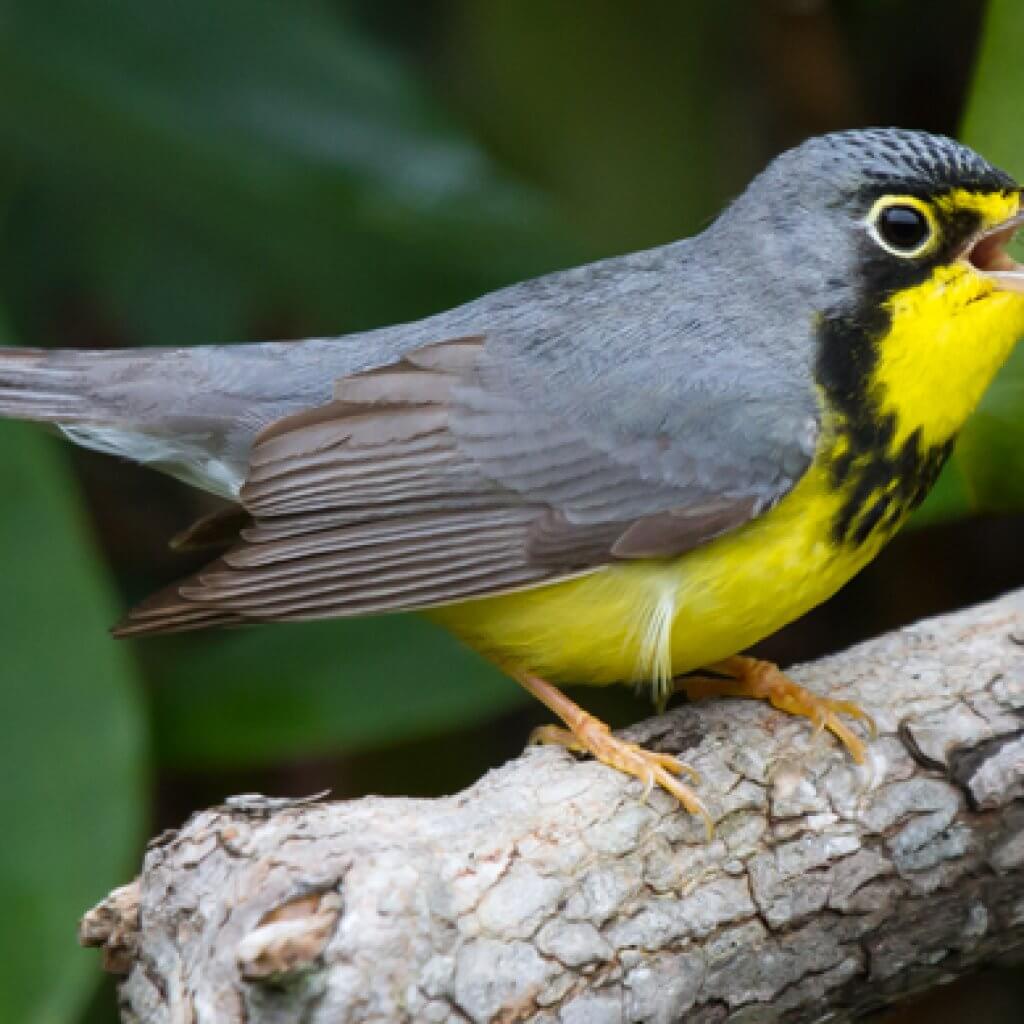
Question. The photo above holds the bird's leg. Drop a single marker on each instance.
(749, 677)
(586, 734)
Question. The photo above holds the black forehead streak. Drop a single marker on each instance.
(939, 182)
(930, 162)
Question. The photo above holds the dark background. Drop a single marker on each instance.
(224, 170)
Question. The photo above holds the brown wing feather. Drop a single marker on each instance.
(360, 505)
(378, 501)
(217, 529)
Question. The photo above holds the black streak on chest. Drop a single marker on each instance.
(880, 484)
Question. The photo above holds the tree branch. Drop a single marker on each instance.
(551, 891)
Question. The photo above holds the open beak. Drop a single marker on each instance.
(987, 254)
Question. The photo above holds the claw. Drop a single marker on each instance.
(648, 786)
(762, 680)
(554, 735)
(649, 766)
(584, 734)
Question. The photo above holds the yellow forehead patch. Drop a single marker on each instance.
(992, 207)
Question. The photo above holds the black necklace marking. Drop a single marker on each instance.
(884, 487)
(880, 485)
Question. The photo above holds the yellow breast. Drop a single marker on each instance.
(651, 620)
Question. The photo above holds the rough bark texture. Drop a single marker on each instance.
(552, 891)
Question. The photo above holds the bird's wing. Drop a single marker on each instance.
(425, 482)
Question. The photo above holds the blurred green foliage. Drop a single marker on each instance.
(73, 763)
(215, 170)
(190, 164)
(267, 695)
(990, 453)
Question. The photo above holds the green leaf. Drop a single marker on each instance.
(986, 472)
(302, 690)
(72, 737)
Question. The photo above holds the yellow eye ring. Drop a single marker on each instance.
(903, 225)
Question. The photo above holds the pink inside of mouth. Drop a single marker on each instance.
(989, 253)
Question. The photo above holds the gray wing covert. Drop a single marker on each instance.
(627, 469)
(439, 477)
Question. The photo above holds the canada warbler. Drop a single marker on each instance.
(620, 473)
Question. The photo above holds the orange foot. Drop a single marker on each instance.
(749, 677)
(588, 735)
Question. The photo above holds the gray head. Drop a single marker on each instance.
(849, 164)
(871, 210)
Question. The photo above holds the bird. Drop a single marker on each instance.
(627, 472)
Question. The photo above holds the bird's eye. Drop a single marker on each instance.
(904, 230)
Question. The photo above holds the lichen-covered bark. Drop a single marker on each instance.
(552, 891)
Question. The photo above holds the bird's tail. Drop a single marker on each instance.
(39, 385)
(191, 412)
(126, 403)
